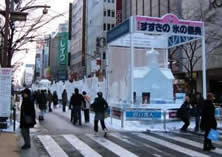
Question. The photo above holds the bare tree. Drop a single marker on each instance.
(211, 16)
(20, 32)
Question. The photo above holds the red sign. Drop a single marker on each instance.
(118, 12)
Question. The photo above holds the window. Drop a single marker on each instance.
(108, 13)
(104, 0)
(108, 1)
(113, 14)
(113, 25)
(104, 13)
(112, 1)
(108, 27)
(104, 26)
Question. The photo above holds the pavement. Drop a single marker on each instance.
(9, 145)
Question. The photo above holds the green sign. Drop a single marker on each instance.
(63, 48)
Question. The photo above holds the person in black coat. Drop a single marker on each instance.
(55, 99)
(208, 120)
(76, 103)
(27, 117)
(197, 108)
(64, 100)
(184, 113)
(99, 106)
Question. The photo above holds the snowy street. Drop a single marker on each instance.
(56, 136)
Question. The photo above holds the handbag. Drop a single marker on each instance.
(28, 120)
(213, 135)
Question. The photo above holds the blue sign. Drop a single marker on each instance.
(178, 40)
(143, 114)
(118, 31)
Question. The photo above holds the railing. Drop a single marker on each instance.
(144, 114)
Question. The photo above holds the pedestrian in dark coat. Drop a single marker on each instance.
(27, 117)
(49, 97)
(55, 99)
(64, 100)
(208, 120)
(197, 108)
(42, 104)
(76, 103)
(100, 107)
(184, 113)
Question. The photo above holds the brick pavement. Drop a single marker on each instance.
(9, 145)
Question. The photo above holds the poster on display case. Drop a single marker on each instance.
(5, 91)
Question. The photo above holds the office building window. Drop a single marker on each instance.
(108, 12)
(108, 27)
(112, 1)
(104, 13)
(113, 25)
(104, 26)
(108, 1)
(113, 14)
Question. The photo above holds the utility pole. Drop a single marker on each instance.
(84, 39)
(5, 51)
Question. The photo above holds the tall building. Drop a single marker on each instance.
(101, 20)
(90, 19)
(76, 47)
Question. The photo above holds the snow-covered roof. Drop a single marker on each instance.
(141, 72)
(167, 73)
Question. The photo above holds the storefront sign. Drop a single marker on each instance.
(63, 48)
(5, 91)
(143, 114)
(168, 24)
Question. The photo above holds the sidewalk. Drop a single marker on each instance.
(9, 145)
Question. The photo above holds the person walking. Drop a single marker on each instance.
(49, 100)
(86, 106)
(42, 105)
(208, 121)
(184, 113)
(76, 102)
(100, 107)
(27, 117)
(197, 108)
(64, 100)
(54, 99)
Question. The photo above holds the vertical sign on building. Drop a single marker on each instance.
(63, 48)
(118, 11)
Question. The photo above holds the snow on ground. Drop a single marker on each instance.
(115, 124)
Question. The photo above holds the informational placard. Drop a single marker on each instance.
(5, 91)
(143, 114)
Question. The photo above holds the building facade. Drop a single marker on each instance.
(76, 57)
(86, 48)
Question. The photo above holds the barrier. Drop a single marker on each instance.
(148, 114)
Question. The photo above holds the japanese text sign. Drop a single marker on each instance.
(168, 24)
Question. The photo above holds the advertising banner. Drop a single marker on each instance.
(63, 48)
(5, 91)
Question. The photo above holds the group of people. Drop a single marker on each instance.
(78, 102)
(204, 113)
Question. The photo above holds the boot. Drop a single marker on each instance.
(206, 146)
(211, 145)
